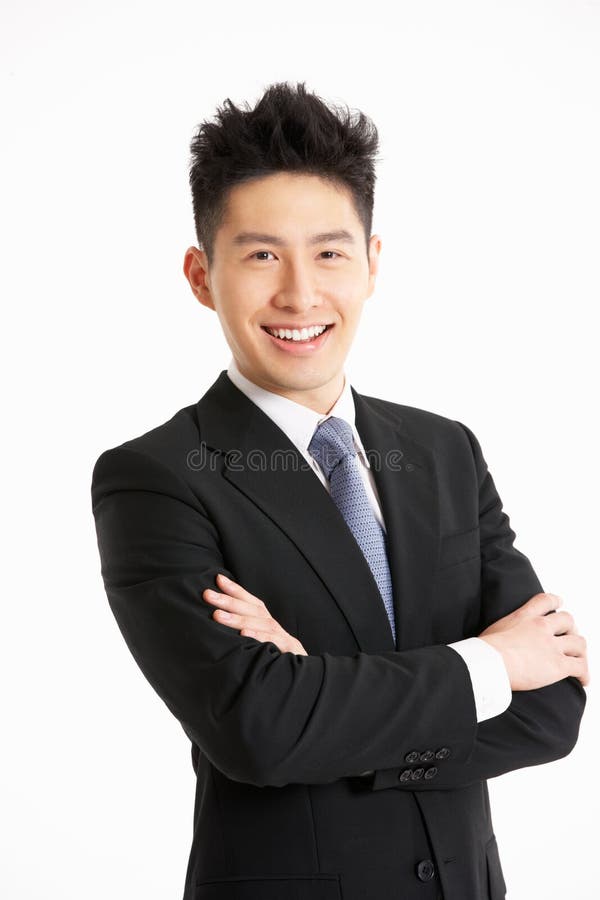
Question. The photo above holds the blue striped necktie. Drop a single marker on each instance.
(332, 446)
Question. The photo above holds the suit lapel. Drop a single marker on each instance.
(260, 460)
(404, 474)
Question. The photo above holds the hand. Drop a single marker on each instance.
(539, 649)
(240, 609)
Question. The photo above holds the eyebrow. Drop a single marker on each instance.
(251, 237)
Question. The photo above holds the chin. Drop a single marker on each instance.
(312, 381)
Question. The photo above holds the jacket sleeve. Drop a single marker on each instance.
(259, 715)
(539, 725)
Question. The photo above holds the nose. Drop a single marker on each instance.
(296, 290)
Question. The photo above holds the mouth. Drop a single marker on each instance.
(297, 335)
(298, 341)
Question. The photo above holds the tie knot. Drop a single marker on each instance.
(331, 442)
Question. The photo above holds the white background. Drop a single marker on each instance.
(487, 204)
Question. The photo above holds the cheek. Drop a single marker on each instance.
(236, 313)
(349, 291)
(350, 308)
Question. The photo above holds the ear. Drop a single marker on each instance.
(374, 251)
(195, 269)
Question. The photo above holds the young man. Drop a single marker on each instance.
(381, 648)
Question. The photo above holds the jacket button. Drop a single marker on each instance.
(442, 753)
(431, 772)
(427, 755)
(405, 775)
(425, 870)
(411, 757)
(417, 773)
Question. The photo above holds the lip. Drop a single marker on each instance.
(298, 348)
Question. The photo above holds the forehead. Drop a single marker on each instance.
(295, 203)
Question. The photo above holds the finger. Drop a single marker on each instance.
(542, 604)
(562, 623)
(236, 590)
(573, 644)
(578, 668)
(573, 629)
(284, 642)
(234, 604)
(234, 620)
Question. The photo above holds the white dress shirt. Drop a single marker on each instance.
(489, 678)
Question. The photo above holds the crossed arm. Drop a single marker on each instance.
(269, 716)
(527, 727)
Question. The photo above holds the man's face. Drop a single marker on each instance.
(282, 262)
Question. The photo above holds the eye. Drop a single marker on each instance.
(255, 255)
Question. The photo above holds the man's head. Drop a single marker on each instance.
(283, 203)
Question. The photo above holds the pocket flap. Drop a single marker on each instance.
(459, 547)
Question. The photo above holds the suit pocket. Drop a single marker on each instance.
(458, 548)
(270, 887)
(496, 884)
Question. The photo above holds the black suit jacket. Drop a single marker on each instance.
(280, 742)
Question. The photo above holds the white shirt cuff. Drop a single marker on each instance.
(489, 678)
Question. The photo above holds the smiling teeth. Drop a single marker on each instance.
(304, 334)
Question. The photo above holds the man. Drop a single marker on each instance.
(387, 648)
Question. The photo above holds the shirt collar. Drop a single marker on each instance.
(298, 422)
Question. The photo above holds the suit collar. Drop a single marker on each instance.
(261, 461)
(298, 422)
